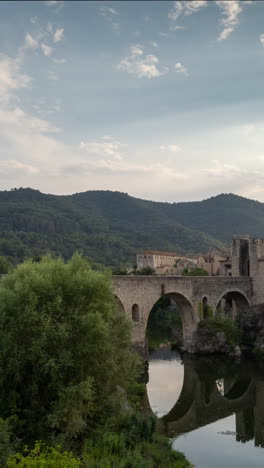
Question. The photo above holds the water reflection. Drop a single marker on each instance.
(201, 399)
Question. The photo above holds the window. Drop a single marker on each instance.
(135, 313)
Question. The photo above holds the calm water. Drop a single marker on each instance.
(212, 408)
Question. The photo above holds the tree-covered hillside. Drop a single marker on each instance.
(110, 227)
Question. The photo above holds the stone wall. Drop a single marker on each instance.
(187, 292)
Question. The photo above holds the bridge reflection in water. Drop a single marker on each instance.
(214, 388)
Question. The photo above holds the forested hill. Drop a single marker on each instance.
(110, 226)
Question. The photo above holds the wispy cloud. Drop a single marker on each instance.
(57, 5)
(30, 41)
(142, 65)
(181, 69)
(46, 49)
(231, 11)
(170, 148)
(11, 77)
(110, 15)
(107, 148)
(17, 166)
(59, 60)
(185, 8)
(58, 35)
(261, 38)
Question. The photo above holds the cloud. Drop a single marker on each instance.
(55, 5)
(171, 148)
(59, 60)
(141, 65)
(17, 166)
(51, 3)
(261, 38)
(11, 77)
(185, 8)
(110, 15)
(58, 35)
(181, 69)
(30, 42)
(230, 11)
(175, 27)
(109, 147)
(46, 49)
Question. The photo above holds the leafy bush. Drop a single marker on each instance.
(64, 349)
(145, 271)
(216, 325)
(195, 272)
(44, 457)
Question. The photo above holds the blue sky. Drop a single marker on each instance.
(162, 100)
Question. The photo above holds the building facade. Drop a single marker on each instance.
(211, 262)
(164, 263)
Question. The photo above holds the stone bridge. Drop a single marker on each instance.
(136, 295)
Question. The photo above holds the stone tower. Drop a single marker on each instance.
(247, 256)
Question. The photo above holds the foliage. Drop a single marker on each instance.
(108, 227)
(119, 271)
(107, 450)
(42, 456)
(195, 272)
(5, 265)
(215, 325)
(135, 445)
(8, 444)
(64, 349)
(145, 271)
(258, 352)
(164, 320)
(68, 376)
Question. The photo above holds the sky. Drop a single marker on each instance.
(161, 100)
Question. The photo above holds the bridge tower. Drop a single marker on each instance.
(247, 256)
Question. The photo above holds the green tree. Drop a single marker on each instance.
(145, 271)
(64, 349)
(43, 457)
(195, 272)
(5, 265)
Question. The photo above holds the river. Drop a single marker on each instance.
(211, 407)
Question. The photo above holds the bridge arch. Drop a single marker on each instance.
(119, 305)
(188, 317)
(232, 297)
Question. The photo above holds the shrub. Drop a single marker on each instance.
(216, 325)
(43, 457)
(64, 348)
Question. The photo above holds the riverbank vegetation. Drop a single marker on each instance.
(70, 392)
(164, 324)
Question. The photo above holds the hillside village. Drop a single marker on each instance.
(215, 263)
(245, 258)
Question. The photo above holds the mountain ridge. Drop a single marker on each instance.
(111, 226)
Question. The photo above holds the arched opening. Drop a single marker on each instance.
(207, 311)
(171, 321)
(231, 304)
(135, 313)
(119, 305)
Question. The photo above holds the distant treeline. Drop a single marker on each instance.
(110, 227)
